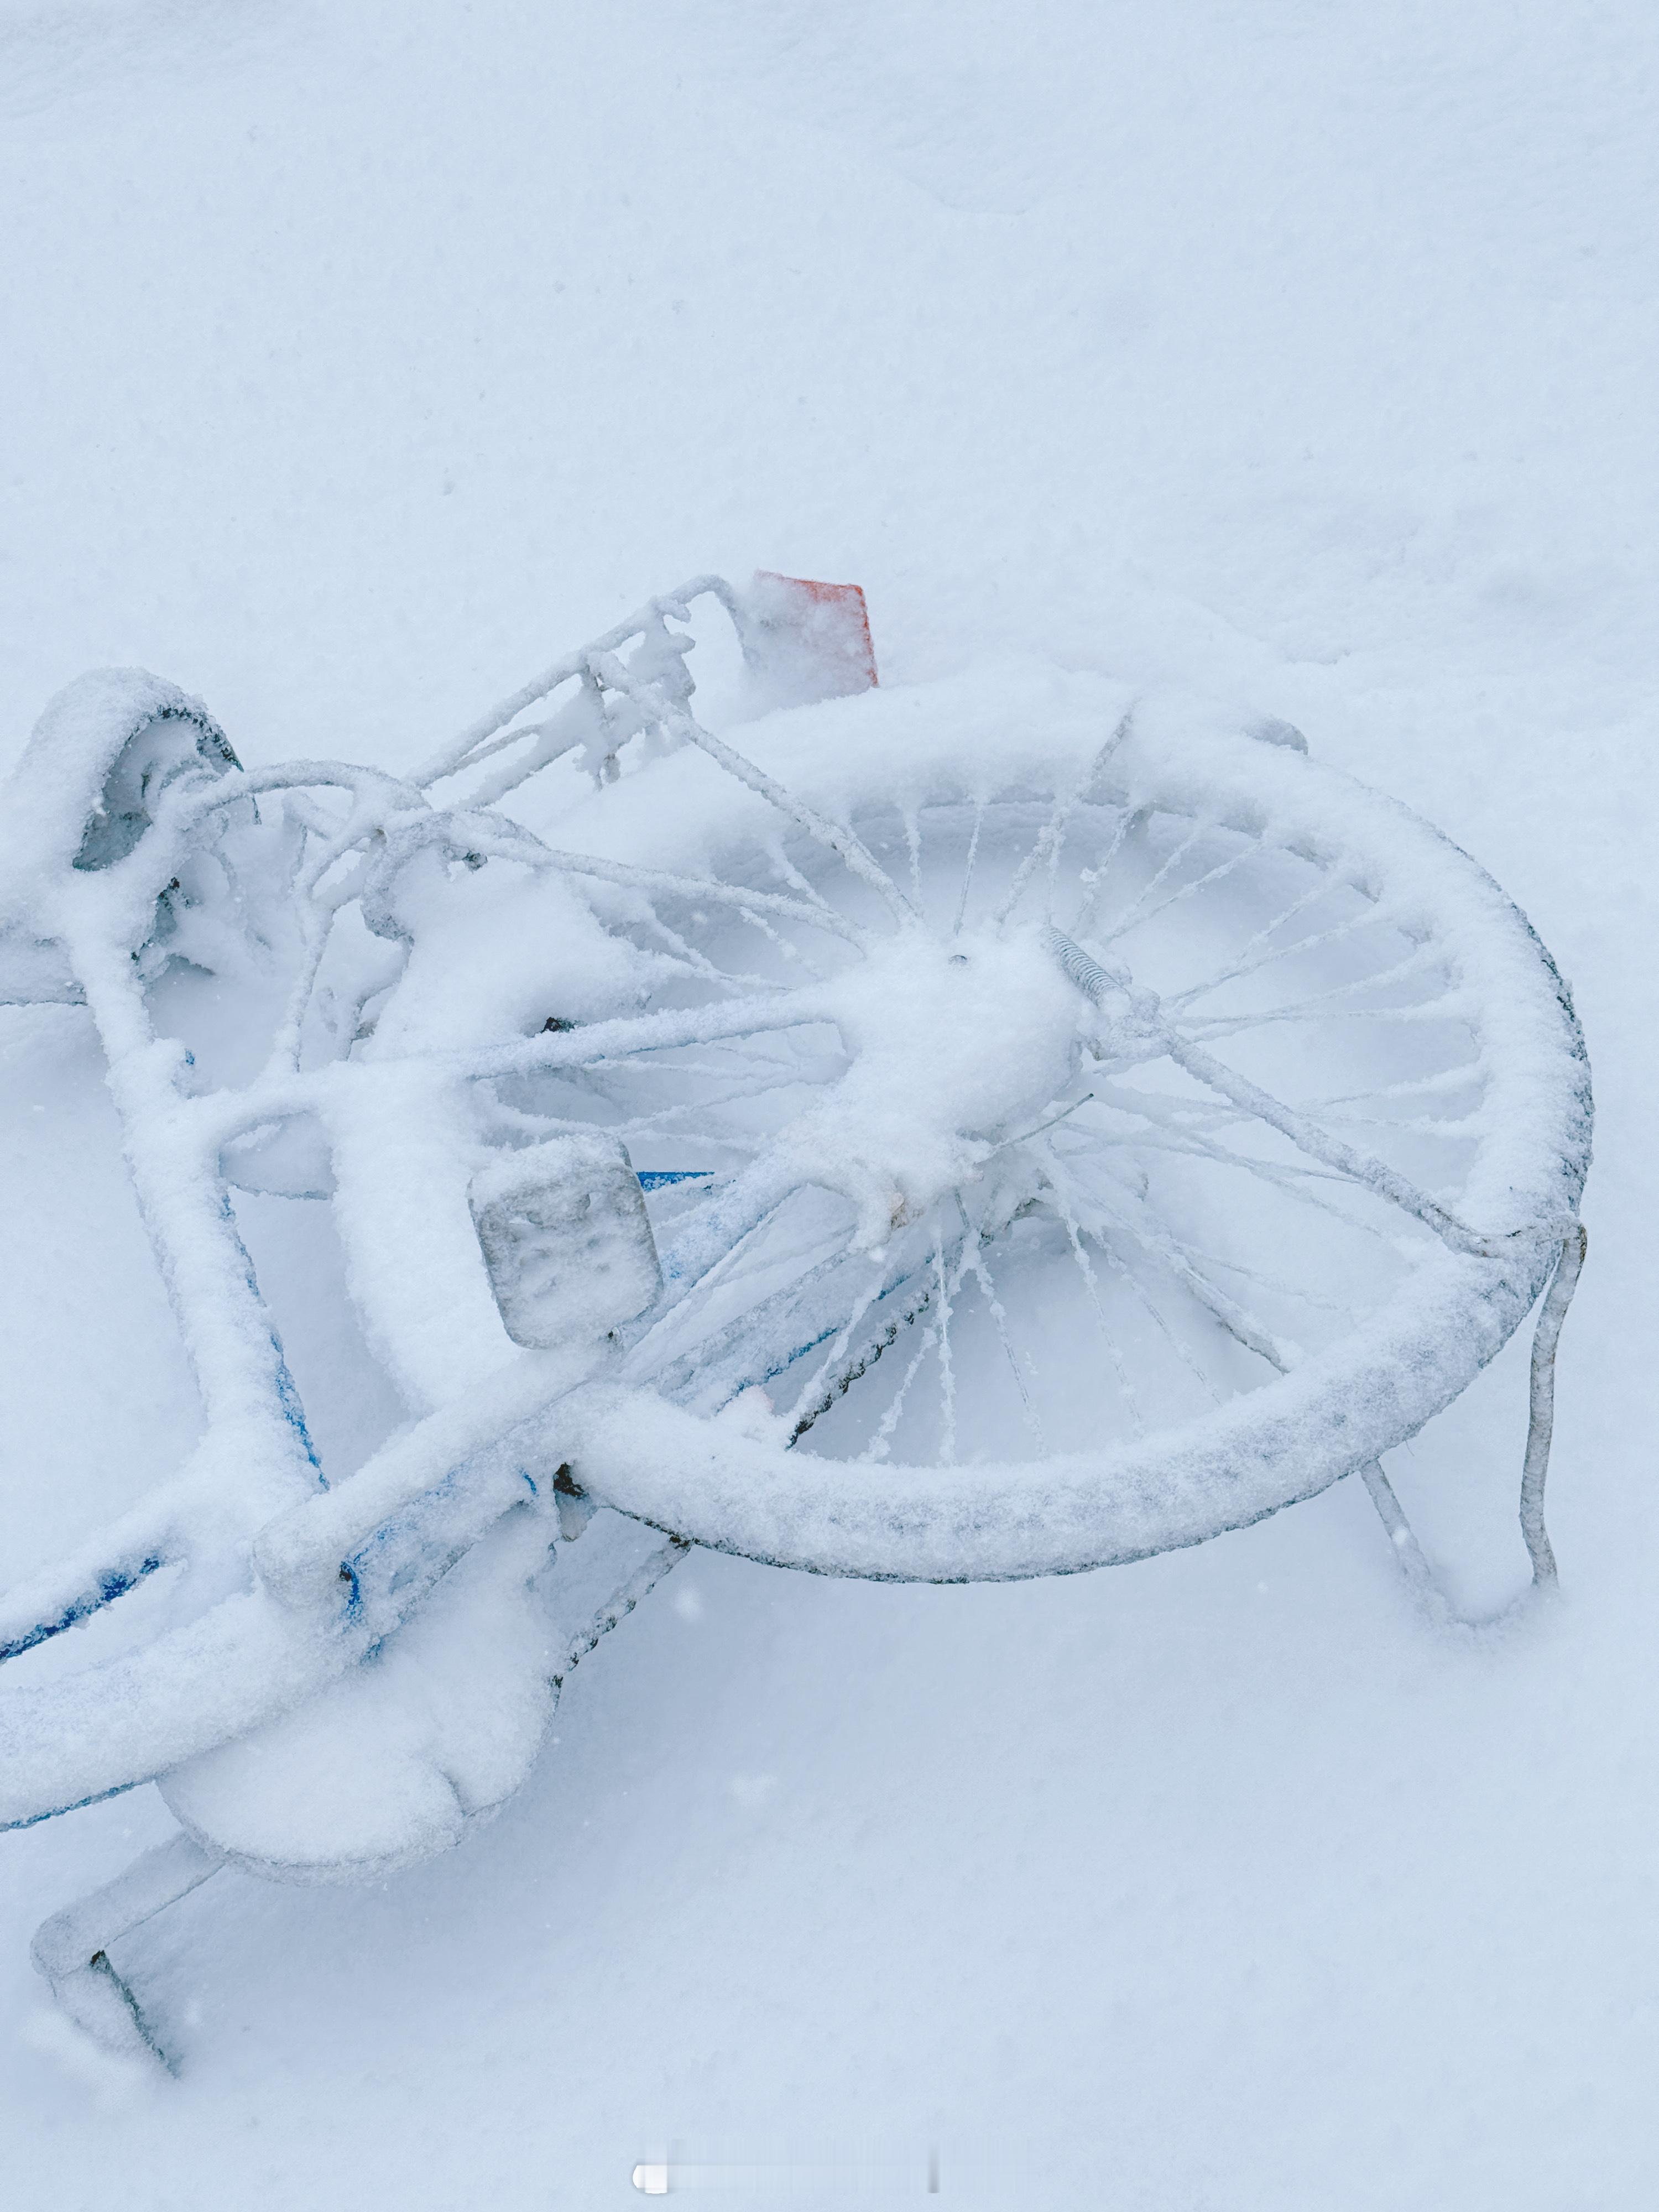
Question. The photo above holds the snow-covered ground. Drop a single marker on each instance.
(357, 359)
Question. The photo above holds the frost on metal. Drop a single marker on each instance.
(986, 1128)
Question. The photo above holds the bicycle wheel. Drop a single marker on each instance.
(1112, 1131)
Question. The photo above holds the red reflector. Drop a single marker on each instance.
(832, 621)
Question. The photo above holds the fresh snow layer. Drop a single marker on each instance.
(367, 360)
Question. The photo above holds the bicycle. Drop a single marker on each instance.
(1092, 1127)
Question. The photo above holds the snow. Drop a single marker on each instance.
(361, 359)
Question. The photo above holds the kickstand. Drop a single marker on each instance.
(1540, 1428)
(71, 1949)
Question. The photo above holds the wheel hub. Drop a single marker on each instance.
(954, 1045)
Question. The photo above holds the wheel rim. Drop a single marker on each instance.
(1228, 1303)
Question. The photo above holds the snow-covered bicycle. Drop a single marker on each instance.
(988, 1128)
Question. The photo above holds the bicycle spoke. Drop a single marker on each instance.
(846, 844)
(612, 1041)
(1213, 1114)
(795, 876)
(1309, 1138)
(913, 843)
(947, 1381)
(1183, 1352)
(1046, 844)
(1121, 1268)
(1126, 920)
(837, 1351)
(1449, 1079)
(1215, 1025)
(789, 951)
(1125, 1387)
(1201, 1257)
(686, 957)
(1185, 890)
(1095, 880)
(1289, 1178)
(664, 1117)
(1335, 935)
(693, 890)
(968, 871)
(1227, 1310)
(881, 1443)
(914, 1295)
(981, 1269)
